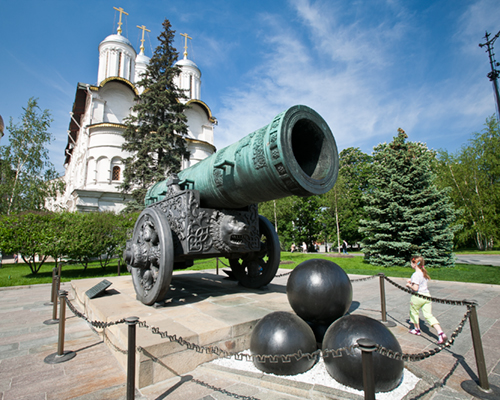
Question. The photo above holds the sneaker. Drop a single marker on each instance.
(442, 338)
(414, 331)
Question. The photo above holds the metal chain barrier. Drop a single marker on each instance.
(225, 265)
(430, 298)
(421, 356)
(114, 346)
(223, 391)
(352, 280)
(96, 324)
(363, 279)
(286, 358)
(283, 274)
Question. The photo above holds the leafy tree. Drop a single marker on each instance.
(82, 245)
(307, 221)
(280, 214)
(27, 175)
(156, 128)
(58, 232)
(355, 172)
(96, 235)
(473, 174)
(26, 234)
(406, 213)
(345, 205)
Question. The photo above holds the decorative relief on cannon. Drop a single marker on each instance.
(259, 160)
(210, 209)
(234, 232)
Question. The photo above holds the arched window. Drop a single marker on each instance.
(116, 173)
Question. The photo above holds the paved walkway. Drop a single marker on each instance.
(95, 374)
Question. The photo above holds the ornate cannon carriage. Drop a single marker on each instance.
(210, 209)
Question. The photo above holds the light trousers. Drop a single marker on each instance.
(417, 304)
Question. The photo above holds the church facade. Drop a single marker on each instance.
(94, 159)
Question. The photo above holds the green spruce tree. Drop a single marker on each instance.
(157, 126)
(406, 213)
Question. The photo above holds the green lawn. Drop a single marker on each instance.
(356, 265)
(20, 274)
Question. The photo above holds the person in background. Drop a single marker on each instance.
(418, 283)
(344, 247)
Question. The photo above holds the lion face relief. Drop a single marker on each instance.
(229, 232)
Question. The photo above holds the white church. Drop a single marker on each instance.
(94, 159)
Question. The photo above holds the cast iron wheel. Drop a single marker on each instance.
(153, 236)
(257, 269)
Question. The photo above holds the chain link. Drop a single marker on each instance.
(352, 280)
(283, 274)
(433, 299)
(114, 346)
(421, 356)
(286, 358)
(223, 391)
(364, 279)
(96, 324)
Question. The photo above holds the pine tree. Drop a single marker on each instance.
(156, 128)
(406, 213)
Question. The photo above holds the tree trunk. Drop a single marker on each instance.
(337, 222)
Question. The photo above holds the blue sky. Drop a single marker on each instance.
(367, 66)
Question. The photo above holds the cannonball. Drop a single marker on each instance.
(348, 369)
(282, 333)
(319, 291)
(319, 331)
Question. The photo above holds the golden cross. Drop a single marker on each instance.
(120, 22)
(186, 43)
(142, 40)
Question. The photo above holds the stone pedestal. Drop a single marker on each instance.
(203, 308)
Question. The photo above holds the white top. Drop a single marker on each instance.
(419, 279)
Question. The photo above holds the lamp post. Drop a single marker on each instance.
(493, 75)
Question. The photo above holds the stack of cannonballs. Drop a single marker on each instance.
(320, 293)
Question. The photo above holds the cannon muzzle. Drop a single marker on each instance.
(295, 154)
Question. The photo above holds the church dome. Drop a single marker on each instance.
(116, 58)
(142, 59)
(186, 63)
(117, 38)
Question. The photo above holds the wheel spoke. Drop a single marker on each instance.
(151, 275)
(259, 268)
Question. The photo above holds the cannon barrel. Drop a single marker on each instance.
(295, 154)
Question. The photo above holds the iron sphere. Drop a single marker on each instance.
(282, 333)
(319, 331)
(348, 368)
(319, 291)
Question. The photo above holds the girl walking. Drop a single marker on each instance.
(418, 283)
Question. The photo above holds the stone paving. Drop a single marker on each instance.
(96, 374)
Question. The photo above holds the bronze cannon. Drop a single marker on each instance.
(211, 208)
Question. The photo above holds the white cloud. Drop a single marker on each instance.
(365, 79)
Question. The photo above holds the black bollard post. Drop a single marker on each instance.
(217, 265)
(367, 347)
(483, 390)
(61, 355)
(53, 295)
(478, 349)
(388, 324)
(131, 322)
(54, 319)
